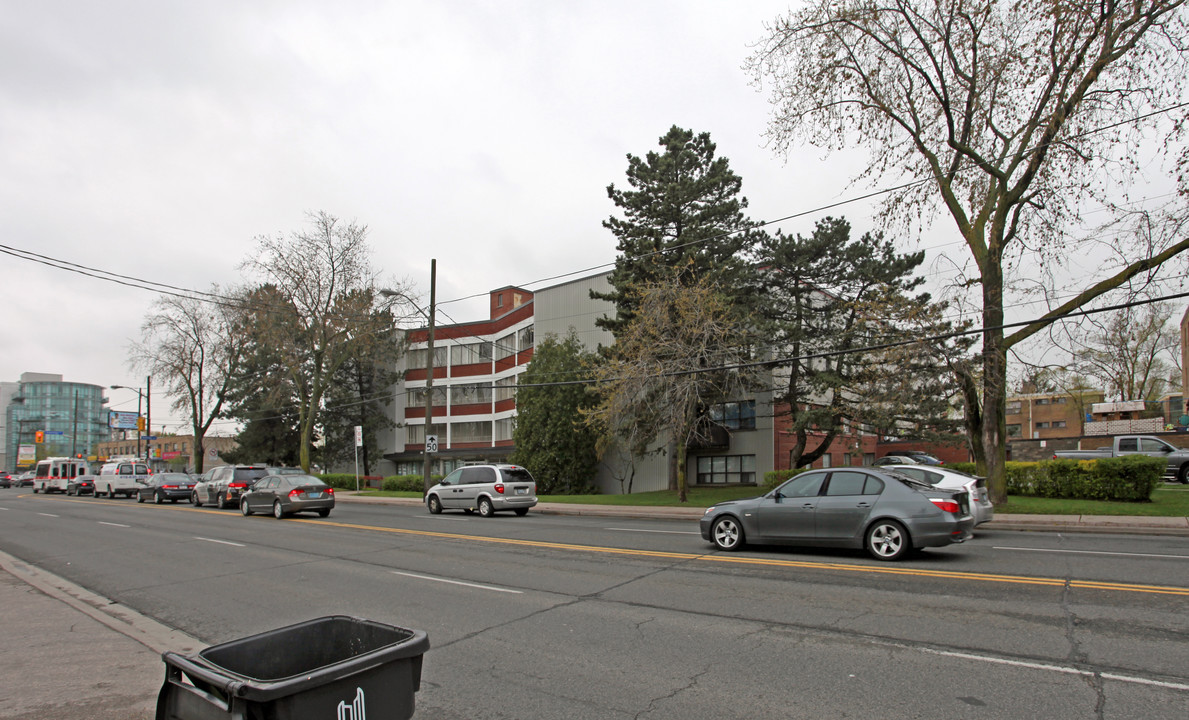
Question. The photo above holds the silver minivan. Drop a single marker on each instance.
(484, 488)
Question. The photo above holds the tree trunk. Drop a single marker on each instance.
(994, 418)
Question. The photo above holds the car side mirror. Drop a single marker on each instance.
(445, 483)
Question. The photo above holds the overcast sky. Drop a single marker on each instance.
(157, 140)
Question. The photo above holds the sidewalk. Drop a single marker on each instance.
(67, 652)
(1177, 526)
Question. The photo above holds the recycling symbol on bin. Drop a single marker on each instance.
(354, 711)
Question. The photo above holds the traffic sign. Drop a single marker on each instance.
(54, 432)
(431, 443)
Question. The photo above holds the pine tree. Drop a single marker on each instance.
(683, 215)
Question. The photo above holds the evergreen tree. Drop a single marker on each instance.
(552, 439)
(682, 216)
(823, 297)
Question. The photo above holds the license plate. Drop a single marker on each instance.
(314, 495)
(522, 491)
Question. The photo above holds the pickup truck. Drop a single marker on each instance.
(1178, 460)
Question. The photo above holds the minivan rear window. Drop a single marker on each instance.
(516, 475)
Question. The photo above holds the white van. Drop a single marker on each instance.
(121, 477)
(54, 474)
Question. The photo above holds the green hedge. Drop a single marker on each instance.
(345, 481)
(1129, 478)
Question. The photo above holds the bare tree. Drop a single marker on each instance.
(1009, 115)
(327, 308)
(1132, 352)
(668, 366)
(187, 345)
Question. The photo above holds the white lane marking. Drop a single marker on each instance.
(49, 515)
(3, 508)
(114, 524)
(1092, 552)
(659, 532)
(457, 582)
(221, 542)
(1065, 669)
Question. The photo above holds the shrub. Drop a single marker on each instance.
(403, 483)
(345, 481)
(1131, 478)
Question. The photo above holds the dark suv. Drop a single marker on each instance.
(225, 484)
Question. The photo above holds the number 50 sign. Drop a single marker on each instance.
(431, 443)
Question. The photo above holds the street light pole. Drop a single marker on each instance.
(139, 396)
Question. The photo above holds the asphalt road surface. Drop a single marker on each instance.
(588, 617)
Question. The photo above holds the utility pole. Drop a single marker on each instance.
(433, 289)
(74, 428)
(148, 413)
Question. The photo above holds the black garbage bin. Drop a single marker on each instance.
(330, 668)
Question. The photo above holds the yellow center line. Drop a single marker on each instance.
(735, 560)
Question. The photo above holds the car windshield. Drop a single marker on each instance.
(173, 477)
(302, 481)
(250, 473)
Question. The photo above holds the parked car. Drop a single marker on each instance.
(921, 457)
(485, 488)
(980, 500)
(25, 479)
(5, 480)
(887, 514)
(171, 486)
(1177, 467)
(81, 485)
(894, 460)
(287, 494)
(222, 486)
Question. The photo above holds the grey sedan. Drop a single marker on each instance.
(286, 494)
(889, 515)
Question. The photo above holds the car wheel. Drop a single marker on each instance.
(888, 540)
(277, 512)
(34, 489)
(486, 509)
(1183, 475)
(157, 498)
(727, 534)
(521, 511)
(194, 500)
(435, 505)
(243, 507)
(324, 512)
(219, 502)
(139, 498)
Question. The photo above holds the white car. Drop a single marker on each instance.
(980, 501)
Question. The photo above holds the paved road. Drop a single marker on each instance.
(590, 616)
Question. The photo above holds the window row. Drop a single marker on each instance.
(726, 469)
(466, 393)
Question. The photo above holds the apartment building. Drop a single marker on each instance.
(1039, 416)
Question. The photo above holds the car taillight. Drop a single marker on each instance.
(946, 504)
(499, 488)
(294, 493)
(237, 485)
(169, 487)
(330, 491)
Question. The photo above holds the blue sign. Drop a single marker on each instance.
(54, 432)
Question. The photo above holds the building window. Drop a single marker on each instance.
(525, 338)
(505, 346)
(470, 432)
(417, 396)
(1042, 426)
(504, 428)
(470, 354)
(1058, 423)
(415, 434)
(1013, 431)
(1059, 401)
(1043, 401)
(1013, 407)
(499, 300)
(415, 358)
(735, 415)
(470, 394)
(726, 469)
(505, 388)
